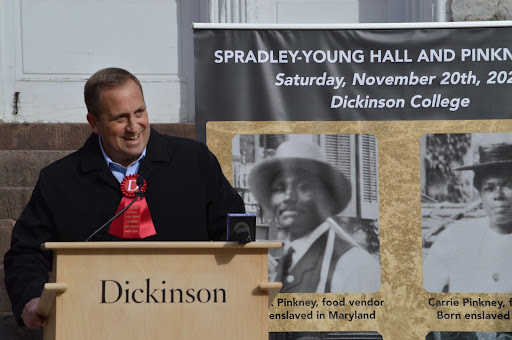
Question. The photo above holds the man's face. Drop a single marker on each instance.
(123, 122)
(299, 201)
(496, 196)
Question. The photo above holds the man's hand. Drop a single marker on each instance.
(29, 315)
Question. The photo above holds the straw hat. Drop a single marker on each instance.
(493, 156)
(306, 157)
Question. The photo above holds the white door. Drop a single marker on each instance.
(50, 47)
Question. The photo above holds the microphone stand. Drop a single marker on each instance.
(139, 194)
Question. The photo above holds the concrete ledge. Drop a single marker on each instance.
(41, 136)
(20, 168)
(66, 136)
(186, 130)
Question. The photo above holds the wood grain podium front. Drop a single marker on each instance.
(158, 290)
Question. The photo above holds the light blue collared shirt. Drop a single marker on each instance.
(117, 169)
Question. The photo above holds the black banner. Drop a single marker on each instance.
(352, 74)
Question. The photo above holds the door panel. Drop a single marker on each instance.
(58, 44)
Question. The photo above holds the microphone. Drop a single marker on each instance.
(241, 228)
(139, 195)
(242, 231)
(140, 184)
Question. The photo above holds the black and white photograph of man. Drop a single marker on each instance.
(325, 336)
(467, 212)
(318, 195)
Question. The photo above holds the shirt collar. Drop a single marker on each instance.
(302, 245)
(109, 161)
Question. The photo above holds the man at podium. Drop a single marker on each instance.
(179, 189)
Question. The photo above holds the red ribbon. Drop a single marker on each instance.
(136, 221)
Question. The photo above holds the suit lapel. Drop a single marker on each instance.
(107, 176)
(92, 161)
(307, 269)
(157, 155)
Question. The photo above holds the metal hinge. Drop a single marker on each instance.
(15, 103)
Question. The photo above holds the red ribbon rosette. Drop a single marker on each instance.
(136, 221)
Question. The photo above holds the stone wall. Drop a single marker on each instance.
(24, 150)
(479, 10)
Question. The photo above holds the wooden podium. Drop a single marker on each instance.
(158, 290)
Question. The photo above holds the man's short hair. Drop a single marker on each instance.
(106, 78)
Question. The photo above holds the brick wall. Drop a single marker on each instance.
(24, 150)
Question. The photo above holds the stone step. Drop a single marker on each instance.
(13, 201)
(66, 136)
(20, 168)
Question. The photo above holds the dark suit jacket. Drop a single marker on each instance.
(305, 275)
(187, 194)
